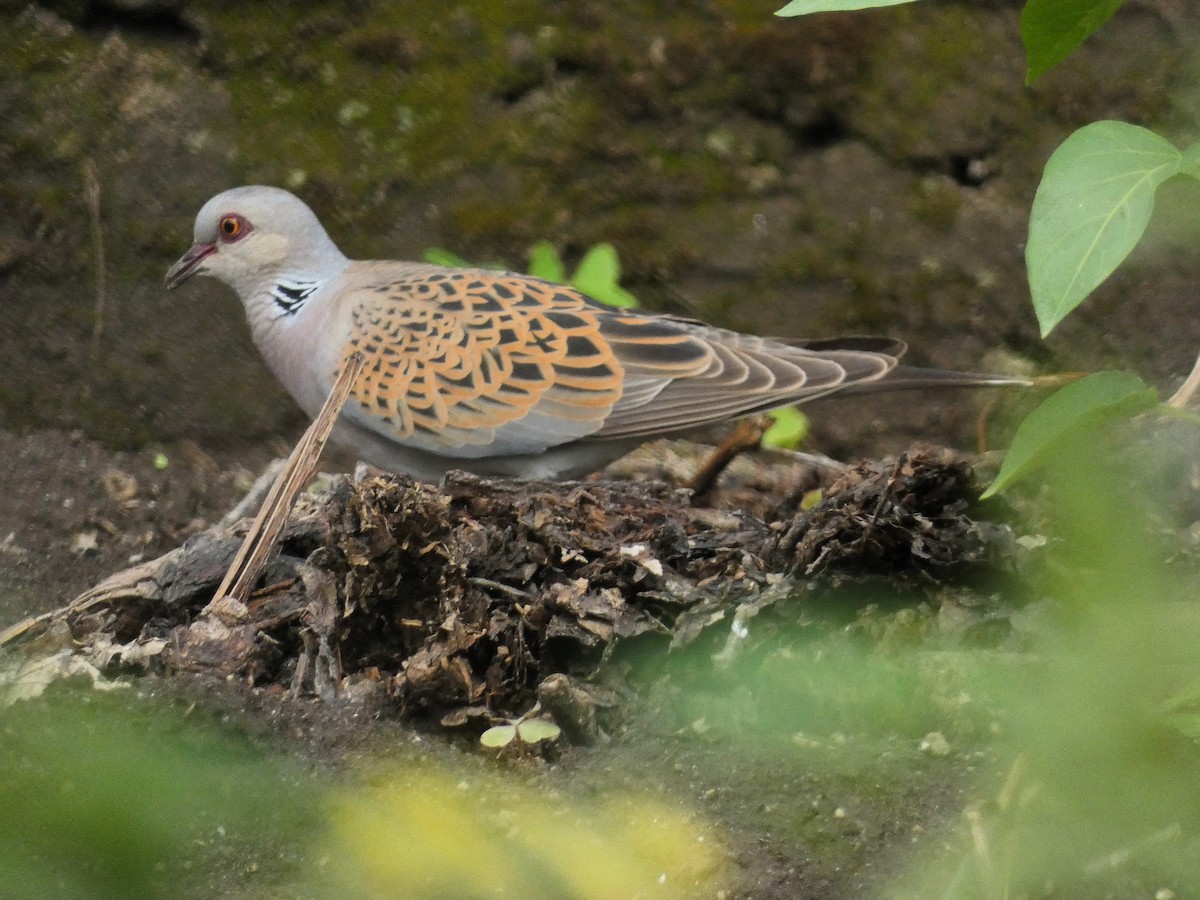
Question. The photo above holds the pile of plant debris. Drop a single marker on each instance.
(469, 600)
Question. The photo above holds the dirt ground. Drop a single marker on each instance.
(854, 175)
(820, 813)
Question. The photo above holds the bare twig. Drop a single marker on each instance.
(297, 471)
(16, 630)
(746, 435)
(1056, 380)
(91, 193)
(818, 461)
(254, 497)
(981, 423)
(507, 590)
(1187, 390)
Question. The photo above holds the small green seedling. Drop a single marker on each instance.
(440, 257)
(597, 275)
(528, 729)
(544, 262)
(788, 430)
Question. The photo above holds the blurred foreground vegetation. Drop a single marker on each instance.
(1055, 756)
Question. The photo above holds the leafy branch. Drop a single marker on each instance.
(1091, 209)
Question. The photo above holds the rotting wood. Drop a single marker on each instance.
(459, 601)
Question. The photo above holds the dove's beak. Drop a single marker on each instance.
(189, 264)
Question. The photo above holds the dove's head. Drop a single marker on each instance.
(251, 236)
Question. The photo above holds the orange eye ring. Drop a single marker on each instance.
(230, 227)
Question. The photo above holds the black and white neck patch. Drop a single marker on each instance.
(291, 294)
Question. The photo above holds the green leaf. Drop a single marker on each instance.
(1187, 723)
(618, 296)
(1051, 29)
(533, 730)
(804, 7)
(440, 257)
(599, 267)
(1091, 209)
(1066, 417)
(1182, 709)
(789, 429)
(544, 262)
(499, 736)
(1190, 163)
(598, 275)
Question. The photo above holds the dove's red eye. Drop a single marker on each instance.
(232, 227)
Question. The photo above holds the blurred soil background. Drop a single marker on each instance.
(861, 173)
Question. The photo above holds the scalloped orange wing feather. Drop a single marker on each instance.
(477, 363)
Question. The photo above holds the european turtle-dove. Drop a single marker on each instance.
(494, 372)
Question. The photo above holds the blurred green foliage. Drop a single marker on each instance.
(1098, 776)
(103, 800)
(1069, 723)
(420, 832)
(112, 796)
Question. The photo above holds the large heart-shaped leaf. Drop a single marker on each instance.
(1090, 210)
